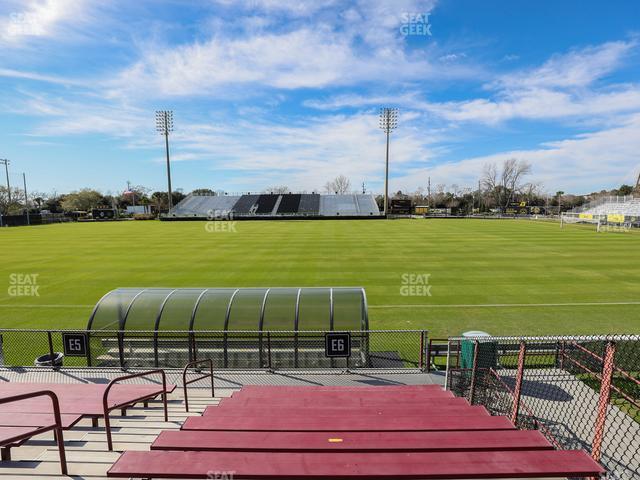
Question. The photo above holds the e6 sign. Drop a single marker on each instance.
(337, 344)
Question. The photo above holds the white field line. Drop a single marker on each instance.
(8, 305)
(505, 305)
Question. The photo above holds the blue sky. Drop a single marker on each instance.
(269, 92)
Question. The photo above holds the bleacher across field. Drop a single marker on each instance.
(287, 205)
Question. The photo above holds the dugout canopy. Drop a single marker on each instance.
(230, 309)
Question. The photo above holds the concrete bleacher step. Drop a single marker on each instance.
(86, 447)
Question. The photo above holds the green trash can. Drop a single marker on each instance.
(487, 350)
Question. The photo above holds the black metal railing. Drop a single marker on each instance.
(580, 392)
(244, 350)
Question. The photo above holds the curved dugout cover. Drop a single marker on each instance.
(230, 309)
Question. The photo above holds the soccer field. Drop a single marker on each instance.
(504, 277)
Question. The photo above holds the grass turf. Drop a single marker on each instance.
(482, 272)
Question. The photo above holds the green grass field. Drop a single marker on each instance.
(505, 277)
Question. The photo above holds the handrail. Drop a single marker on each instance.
(107, 409)
(193, 380)
(57, 427)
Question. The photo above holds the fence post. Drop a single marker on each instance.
(121, 349)
(88, 337)
(603, 400)
(517, 391)
(51, 353)
(269, 348)
(472, 387)
(421, 365)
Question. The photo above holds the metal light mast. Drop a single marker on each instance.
(388, 123)
(164, 126)
(6, 170)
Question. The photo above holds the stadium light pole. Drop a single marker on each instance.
(164, 126)
(388, 123)
(6, 171)
(26, 197)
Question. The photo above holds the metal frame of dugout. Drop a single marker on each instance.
(240, 328)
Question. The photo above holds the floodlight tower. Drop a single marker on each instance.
(6, 171)
(388, 123)
(164, 126)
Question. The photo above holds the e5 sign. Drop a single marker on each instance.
(75, 344)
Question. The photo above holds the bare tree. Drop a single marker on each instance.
(339, 185)
(277, 189)
(503, 186)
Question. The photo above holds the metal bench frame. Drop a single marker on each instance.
(107, 408)
(56, 427)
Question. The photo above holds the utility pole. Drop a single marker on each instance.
(388, 123)
(164, 126)
(26, 197)
(429, 192)
(6, 171)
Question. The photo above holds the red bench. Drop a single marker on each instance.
(88, 400)
(351, 441)
(37, 419)
(14, 435)
(327, 401)
(447, 410)
(346, 423)
(333, 435)
(378, 465)
(297, 389)
(361, 392)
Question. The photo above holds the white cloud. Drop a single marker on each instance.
(349, 43)
(563, 87)
(26, 20)
(540, 104)
(578, 68)
(593, 161)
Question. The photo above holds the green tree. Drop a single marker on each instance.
(83, 200)
(625, 190)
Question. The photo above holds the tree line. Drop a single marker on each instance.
(498, 187)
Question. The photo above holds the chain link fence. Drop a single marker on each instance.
(389, 350)
(580, 392)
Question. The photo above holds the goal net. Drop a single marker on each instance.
(586, 218)
(603, 223)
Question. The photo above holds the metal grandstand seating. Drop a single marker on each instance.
(348, 205)
(309, 204)
(627, 206)
(244, 204)
(314, 205)
(289, 204)
(350, 445)
(205, 206)
(266, 203)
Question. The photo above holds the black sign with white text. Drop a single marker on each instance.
(75, 344)
(337, 344)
